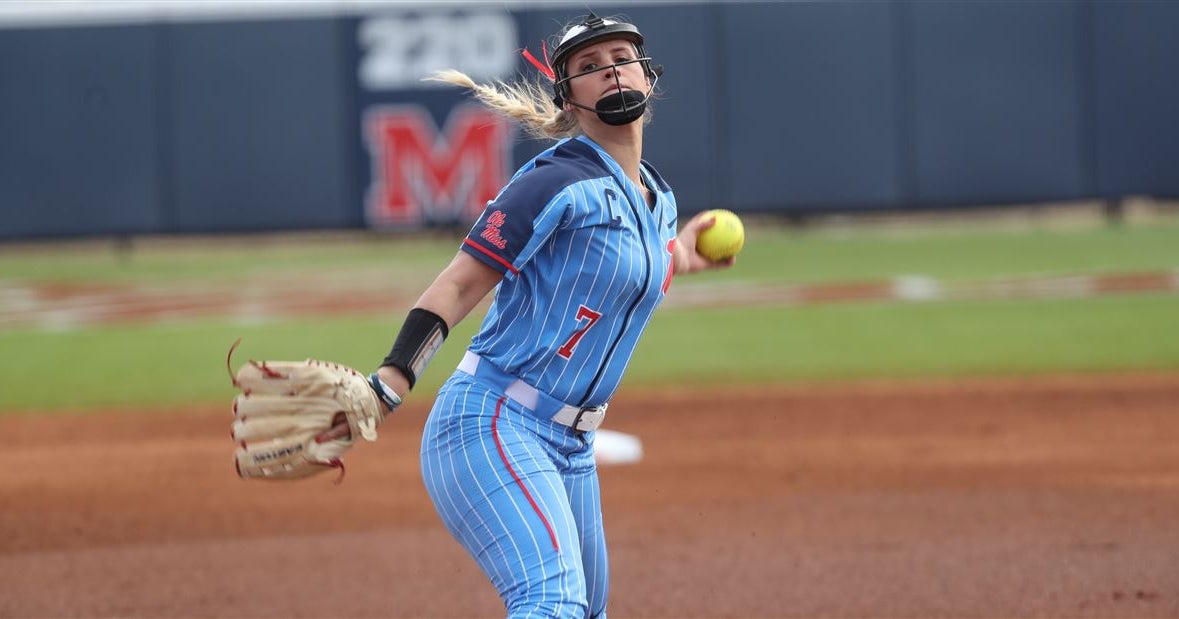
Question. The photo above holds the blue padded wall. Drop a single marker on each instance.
(997, 101)
(807, 103)
(78, 131)
(1136, 97)
(794, 107)
(257, 115)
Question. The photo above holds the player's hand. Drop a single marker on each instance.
(386, 383)
(687, 259)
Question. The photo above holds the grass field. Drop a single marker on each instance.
(182, 362)
(773, 253)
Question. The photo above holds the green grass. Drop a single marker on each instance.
(183, 364)
(785, 254)
(772, 253)
(769, 344)
(178, 364)
(237, 259)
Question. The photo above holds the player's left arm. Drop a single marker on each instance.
(685, 257)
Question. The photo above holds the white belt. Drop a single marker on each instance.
(579, 418)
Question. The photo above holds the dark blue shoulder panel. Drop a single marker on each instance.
(570, 162)
(507, 224)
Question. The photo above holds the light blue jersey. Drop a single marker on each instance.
(586, 260)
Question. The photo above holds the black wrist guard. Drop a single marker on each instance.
(420, 338)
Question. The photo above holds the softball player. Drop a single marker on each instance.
(582, 245)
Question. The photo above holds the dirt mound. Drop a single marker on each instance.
(1004, 497)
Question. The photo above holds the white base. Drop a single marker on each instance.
(612, 447)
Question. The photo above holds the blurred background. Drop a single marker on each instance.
(145, 117)
(965, 187)
(940, 381)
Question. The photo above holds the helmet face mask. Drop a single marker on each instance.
(620, 108)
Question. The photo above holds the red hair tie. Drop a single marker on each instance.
(547, 67)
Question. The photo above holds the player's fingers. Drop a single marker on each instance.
(719, 264)
(337, 431)
(704, 221)
(340, 431)
(700, 262)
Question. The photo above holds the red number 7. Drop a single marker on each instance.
(583, 313)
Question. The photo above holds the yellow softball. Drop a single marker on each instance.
(724, 239)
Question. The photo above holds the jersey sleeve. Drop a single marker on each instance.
(519, 220)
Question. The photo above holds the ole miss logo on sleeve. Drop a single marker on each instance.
(491, 229)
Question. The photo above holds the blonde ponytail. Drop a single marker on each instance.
(528, 103)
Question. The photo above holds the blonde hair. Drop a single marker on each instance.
(528, 103)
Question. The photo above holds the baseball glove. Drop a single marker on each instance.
(294, 419)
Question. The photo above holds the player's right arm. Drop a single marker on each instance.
(459, 288)
(498, 241)
(453, 294)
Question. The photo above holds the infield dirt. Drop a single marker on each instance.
(1020, 497)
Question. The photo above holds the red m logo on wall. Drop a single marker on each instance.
(422, 176)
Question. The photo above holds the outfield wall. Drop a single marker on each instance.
(166, 125)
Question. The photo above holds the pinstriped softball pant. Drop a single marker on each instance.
(521, 494)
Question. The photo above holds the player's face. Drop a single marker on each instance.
(592, 82)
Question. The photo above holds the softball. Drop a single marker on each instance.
(724, 239)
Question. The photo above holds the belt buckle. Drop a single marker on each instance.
(577, 419)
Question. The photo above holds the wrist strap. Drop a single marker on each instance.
(384, 392)
(418, 341)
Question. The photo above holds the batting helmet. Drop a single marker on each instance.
(617, 109)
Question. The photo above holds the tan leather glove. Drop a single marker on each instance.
(294, 419)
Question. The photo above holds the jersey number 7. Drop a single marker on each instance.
(583, 313)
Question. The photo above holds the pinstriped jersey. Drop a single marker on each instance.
(586, 260)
